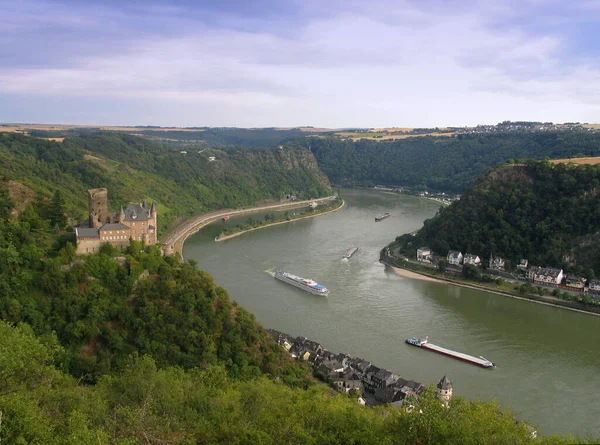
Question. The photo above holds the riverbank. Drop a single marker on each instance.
(173, 241)
(544, 300)
(233, 235)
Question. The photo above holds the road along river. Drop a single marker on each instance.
(548, 359)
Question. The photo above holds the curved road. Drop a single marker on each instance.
(173, 241)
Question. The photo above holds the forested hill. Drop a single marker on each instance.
(134, 348)
(134, 169)
(549, 214)
(440, 163)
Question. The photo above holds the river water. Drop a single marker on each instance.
(548, 359)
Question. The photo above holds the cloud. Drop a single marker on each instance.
(354, 64)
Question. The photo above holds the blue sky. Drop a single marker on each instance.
(291, 63)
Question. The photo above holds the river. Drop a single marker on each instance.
(547, 358)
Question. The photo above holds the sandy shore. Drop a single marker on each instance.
(417, 276)
(233, 235)
(414, 275)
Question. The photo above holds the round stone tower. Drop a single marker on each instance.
(444, 390)
(98, 207)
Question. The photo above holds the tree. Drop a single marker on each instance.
(471, 272)
(57, 210)
(6, 204)
(442, 264)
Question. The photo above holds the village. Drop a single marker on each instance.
(542, 276)
(371, 385)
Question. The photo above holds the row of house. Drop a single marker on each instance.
(539, 275)
(375, 386)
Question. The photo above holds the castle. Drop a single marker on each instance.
(136, 222)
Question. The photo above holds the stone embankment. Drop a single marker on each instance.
(233, 235)
(173, 241)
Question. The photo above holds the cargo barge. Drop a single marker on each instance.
(478, 361)
(351, 252)
(383, 216)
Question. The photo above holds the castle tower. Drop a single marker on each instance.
(121, 215)
(444, 390)
(98, 207)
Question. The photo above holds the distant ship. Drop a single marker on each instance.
(305, 284)
(382, 217)
(350, 252)
(478, 361)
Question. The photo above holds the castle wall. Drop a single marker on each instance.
(118, 238)
(139, 230)
(87, 245)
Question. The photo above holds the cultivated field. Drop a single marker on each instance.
(577, 161)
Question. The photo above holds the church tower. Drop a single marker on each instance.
(444, 390)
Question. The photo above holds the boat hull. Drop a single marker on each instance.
(482, 363)
(382, 217)
(351, 252)
(322, 292)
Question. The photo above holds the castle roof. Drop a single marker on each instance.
(85, 232)
(135, 212)
(153, 209)
(444, 384)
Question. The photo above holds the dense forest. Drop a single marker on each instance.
(448, 164)
(134, 169)
(549, 214)
(102, 309)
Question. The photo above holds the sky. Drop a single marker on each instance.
(287, 63)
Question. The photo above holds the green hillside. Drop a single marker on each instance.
(549, 214)
(147, 404)
(134, 169)
(440, 163)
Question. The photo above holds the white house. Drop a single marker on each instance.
(575, 282)
(523, 264)
(211, 158)
(545, 275)
(595, 286)
(424, 254)
(455, 258)
(472, 259)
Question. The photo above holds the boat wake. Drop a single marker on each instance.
(270, 272)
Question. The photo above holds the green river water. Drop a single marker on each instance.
(547, 359)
